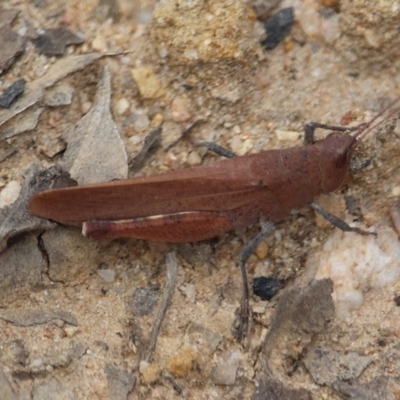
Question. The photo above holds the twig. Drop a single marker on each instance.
(172, 272)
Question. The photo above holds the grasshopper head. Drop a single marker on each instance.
(335, 153)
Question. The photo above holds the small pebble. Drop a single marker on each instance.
(330, 29)
(107, 275)
(163, 52)
(148, 83)
(37, 362)
(157, 120)
(141, 123)
(86, 106)
(396, 191)
(240, 147)
(259, 309)
(99, 44)
(225, 372)
(144, 300)
(53, 147)
(236, 130)
(310, 21)
(149, 372)
(70, 330)
(122, 106)
(261, 250)
(194, 159)
(289, 136)
(265, 288)
(180, 110)
(170, 134)
(61, 95)
(10, 193)
(190, 291)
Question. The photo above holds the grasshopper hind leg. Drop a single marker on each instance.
(242, 327)
(242, 323)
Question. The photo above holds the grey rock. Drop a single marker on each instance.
(144, 301)
(60, 95)
(21, 267)
(72, 257)
(377, 389)
(6, 390)
(51, 389)
(327, 366)
(16, 218)
(269, 389)
(301, 313)
(212, 338)
(26, 317)
(120, 383)
(14, 352)
(225, 372)
(77, 349)
(108, 275)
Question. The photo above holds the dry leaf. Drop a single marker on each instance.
(22, 123)
(16, 218)
(24, 317)
(95, 149)
(59, 70)
(151, 142)
(12, 45)
(11, 93)
(54, 41)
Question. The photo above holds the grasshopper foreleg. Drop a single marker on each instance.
(309, 130)
(337, 221)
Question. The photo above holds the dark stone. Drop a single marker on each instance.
(278, 27)
(265, 288)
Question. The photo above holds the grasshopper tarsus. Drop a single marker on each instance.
(217, 149)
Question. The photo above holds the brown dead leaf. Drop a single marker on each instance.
(16, 218)
(150, 143)
(24, 317)
(12, 45)
(95, 149)
(54, 41)
(301, 313)
(11, 93)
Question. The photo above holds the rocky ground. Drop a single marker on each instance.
(76, 315)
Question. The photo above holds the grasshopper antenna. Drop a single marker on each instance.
(366, 127)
